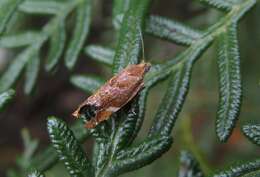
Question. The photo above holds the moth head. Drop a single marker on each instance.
(87, 112)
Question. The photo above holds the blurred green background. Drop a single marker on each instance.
(194, 130)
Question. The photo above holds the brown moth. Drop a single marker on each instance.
(113, 95)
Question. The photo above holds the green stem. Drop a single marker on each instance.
(192, 147)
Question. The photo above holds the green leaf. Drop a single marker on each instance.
(19, 40)
(230, 82)
(180, 69)
(7, 9)
(129, 43)
(171, 30)
(87, 83)
(48, 157)
(13, 72)
(30, 145)
(5, 98)
(119, 8)
(141, 114)
(173, 100)
(189, 167)
(241, 170)
(80, 33)
(56, 47)
(143, 154)
(225, 5)
(101, 54)
(126, 128)
(35, 174)
(252, 132)
(41, 7)
(68, 148)
(31, 74)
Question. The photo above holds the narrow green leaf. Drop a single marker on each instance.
(128, 46)
(240, 170)
(101, 155)
(101, 54)
(230, 82)
(252, 132)
(48, 157)
(189, 167)
(119, 9)
(41, 7)
(80, 33)
(5, 98)
(225, 5)
(173, 100)
(56, 47)
(31, 74)
(35, 174)
(143, 154)
(18, 40)
(87, 83)
(171, 30)
(141, 114)
(126, 128)
(180, 69)
(68, 148)
(7, 9)
(15, 68)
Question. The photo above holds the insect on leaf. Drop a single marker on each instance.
(230, 82)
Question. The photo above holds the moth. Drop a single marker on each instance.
(113, 95)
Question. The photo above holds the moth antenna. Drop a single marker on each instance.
(142, 43)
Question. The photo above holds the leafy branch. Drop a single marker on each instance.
(115, 152)
(53, 31)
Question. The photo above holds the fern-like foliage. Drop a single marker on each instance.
(249, 169)
(252, 132)
(115, 151)
(230, 82)
(32, 41)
